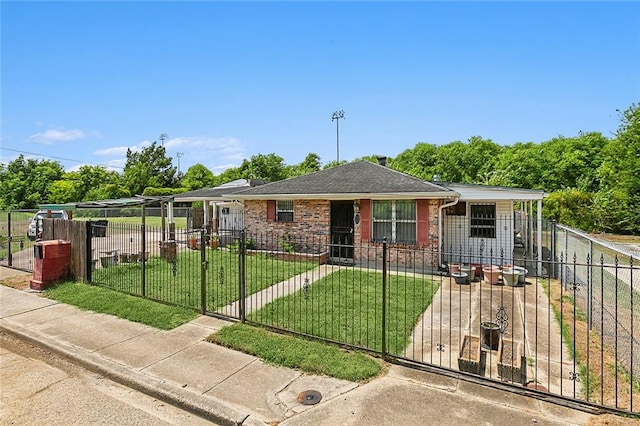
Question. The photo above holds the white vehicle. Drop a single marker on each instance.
(35, 226)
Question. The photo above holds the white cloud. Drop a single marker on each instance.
(54, 135)
(217, 154)
(208, 151)
(110, 152)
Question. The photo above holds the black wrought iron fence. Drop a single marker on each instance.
(565, 325)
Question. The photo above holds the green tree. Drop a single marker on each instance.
(25, 183)
(269, 167)
(149, 167)
(310, 164)
(617, 201)
(418, 161)
(198, 176)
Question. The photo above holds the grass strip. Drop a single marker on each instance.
(136, 309)
(294, 352)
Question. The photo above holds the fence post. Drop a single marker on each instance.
(203, 272)
(589, 286)
(9, 254)
(143, 244)
(241, 275)
(384, 297)
(88, 251)
(553, 249)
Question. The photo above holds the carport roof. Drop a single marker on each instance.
(136, 200)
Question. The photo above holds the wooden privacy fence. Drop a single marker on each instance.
(79, 234)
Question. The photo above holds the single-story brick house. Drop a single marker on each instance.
(362, 203)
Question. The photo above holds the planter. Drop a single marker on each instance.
(469, 356)
(193, 243)
(106, 261)
(454, 267)
(470, 271)
(478, 267)
(510, 361)
(460, 277)
(491, 274)
(167, 250)
(213, 243)
(523, 274)
(510, 277)
(490, 335)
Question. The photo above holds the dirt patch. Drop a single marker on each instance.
(20, 282)
(606, 386)
(612, 420)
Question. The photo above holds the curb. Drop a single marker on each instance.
(209, 408)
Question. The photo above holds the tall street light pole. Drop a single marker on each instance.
(337, 116)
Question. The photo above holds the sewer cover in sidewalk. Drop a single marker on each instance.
(309, 397)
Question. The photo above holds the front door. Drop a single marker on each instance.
(342, 230)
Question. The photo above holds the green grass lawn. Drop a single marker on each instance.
(345, 307)
(295, 352)
(181, 283)
(181, 222)
(97, 299)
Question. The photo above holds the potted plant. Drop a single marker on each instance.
(213, 242)
(193, 242)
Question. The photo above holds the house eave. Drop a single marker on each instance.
(348, 196)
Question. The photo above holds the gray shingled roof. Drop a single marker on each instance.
(361, 177)
(218, 191)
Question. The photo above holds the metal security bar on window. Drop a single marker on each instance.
(395, 221)
(284, 210)
(483, 221)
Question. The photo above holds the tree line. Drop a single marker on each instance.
(593, 180)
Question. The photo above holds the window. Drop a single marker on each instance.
(459, 209)
(284, 211)
(483, 221)
(395, 221)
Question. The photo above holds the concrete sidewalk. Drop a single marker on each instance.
(230, 387)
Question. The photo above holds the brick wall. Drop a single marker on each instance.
(310, 226)
(310, 229)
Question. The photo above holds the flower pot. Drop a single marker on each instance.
(460, 277)
(491, 274)
(193, 243)
(510, 277)
(470, 271)
(213, 243)
(490, 335)
(454, 267)
(523, 274)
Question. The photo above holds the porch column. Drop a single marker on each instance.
(539, 216)
(205, 218)
(170, 212)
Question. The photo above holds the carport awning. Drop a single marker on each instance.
(136, 200)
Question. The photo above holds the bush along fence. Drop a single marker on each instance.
(566, 326)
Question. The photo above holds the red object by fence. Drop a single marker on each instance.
(50, 263)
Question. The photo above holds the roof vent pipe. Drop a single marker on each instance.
(382, 161)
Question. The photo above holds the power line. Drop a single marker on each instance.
(60, 158)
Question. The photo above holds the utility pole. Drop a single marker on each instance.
(179, 154)
(163, 137)
(337, 116)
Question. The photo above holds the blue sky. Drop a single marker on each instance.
(84, 81)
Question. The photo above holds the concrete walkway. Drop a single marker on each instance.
(230, 387)
(458, 310)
